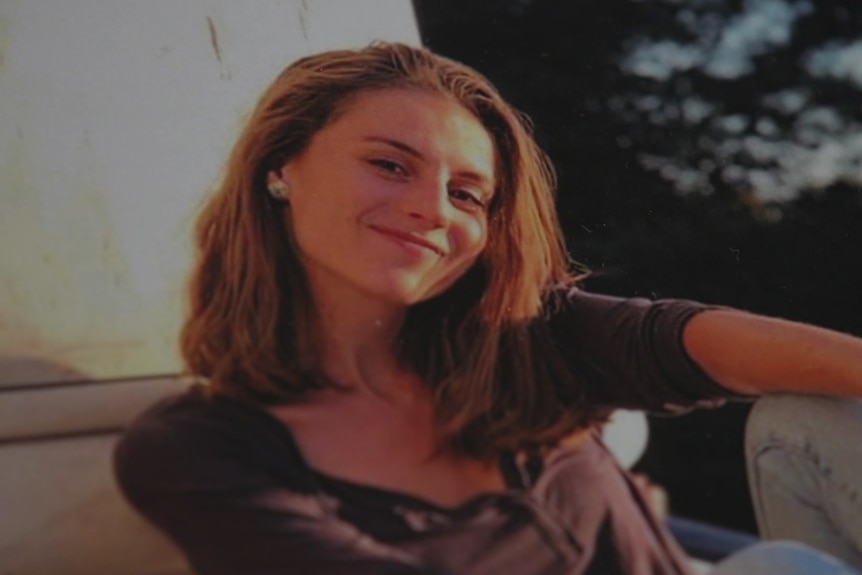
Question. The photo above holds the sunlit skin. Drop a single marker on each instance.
(388, 207)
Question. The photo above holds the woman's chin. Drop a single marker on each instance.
(405, 292)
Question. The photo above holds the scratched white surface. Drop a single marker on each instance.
(115, 118)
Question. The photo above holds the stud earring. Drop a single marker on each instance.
(279, 190)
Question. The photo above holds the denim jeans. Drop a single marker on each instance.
(781, 558)
(804, 457)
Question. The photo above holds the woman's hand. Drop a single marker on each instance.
(753, 354)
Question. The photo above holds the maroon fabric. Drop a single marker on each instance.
(228, 484)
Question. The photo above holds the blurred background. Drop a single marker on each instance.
(706, 149)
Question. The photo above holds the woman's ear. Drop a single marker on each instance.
(277, 187)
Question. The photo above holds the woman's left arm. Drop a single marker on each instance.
(753, 354)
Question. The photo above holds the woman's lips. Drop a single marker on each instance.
(409, 238)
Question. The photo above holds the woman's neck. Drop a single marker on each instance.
(357, 338)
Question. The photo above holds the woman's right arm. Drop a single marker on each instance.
(231, 517)
(631, 354)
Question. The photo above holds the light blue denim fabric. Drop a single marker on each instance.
(804, 457)
(781, 558)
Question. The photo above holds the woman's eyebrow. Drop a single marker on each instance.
(398, 144)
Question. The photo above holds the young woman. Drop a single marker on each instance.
(402, 375)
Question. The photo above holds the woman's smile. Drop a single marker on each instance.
(413, 243)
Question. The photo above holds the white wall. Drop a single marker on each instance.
(115, 116)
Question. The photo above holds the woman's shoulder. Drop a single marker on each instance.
(197, 417)
(630, 350)
(568, 299)
(577, 309)
(568, 295)
(195, 439)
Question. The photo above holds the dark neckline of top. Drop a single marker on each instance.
(517, 479)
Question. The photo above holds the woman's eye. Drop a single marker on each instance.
(467, 196)
(389, 167)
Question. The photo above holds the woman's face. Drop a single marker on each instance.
(389, 199)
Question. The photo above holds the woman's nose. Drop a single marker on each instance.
(429, 203)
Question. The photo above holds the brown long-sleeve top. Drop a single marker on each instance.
(228, 484)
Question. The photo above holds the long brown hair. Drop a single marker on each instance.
(481, 346)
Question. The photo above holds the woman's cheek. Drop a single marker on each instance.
(477, 236)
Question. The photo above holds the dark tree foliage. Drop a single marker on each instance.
(707, 149)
